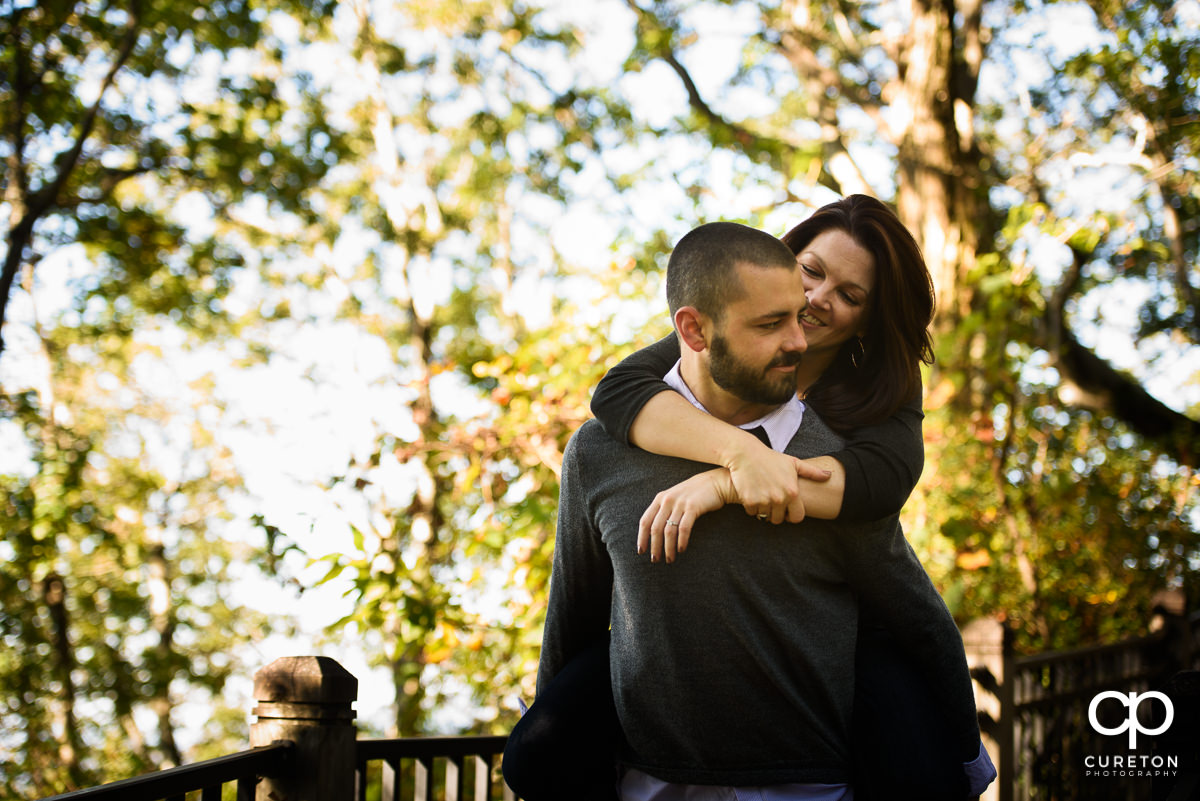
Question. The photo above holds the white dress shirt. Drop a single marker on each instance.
(780, 424)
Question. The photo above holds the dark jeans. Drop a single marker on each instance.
(903, 750)
(564, 747)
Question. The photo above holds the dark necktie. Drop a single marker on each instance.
(761, 433)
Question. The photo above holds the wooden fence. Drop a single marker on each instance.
(1034, 713)
(304, 747)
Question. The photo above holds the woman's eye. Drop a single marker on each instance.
(810, 271)
(850, 299)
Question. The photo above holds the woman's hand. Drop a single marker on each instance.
(767, 483)
(666, 525)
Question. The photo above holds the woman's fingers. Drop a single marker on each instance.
(670, 540)
(810, 471)
(685, 531)
(665, 528)
(658, 530)
(677, 532)
(765, 481)
(646, 526)
(796, 510)
(773, 513)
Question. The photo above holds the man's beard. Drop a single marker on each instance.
(753, 385)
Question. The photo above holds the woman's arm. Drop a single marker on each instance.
(870, 479)
(666, 526)
(626, 388)
(882, 464)
(765, 481)
(632, 406)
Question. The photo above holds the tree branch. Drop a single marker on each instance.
(749, 140)
(38, 203)
(1099, 386)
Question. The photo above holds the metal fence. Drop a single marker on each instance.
(1035, 712)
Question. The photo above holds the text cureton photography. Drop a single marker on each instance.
(1131, 764)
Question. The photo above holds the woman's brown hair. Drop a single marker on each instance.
(866, 385)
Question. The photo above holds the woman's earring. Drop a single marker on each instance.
(862, 353)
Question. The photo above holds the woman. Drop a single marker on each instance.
(861, 373)
(870, 304)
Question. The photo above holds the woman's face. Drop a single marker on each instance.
(838, 276)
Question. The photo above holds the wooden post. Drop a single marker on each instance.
(1008, 718)
(985, 643)
(307, 700)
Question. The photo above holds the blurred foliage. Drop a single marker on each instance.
(448, 567)
(121, 126)
(198, 189)
(115, 585)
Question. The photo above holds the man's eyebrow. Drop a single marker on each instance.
(774, 315)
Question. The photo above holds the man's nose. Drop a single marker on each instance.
(795, 342)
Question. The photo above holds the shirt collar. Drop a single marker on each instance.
(781, 424)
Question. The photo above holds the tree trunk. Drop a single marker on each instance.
(159, 586)
(424, 521)
(54, 594)
(940, 193)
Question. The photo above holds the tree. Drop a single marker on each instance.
(83, 95)
(919, 81)
(451, 108)
(421, 195)
(119, 125)
(116, 581)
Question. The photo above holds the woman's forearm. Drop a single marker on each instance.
(823, 499)
(671, 426)
(763, 479)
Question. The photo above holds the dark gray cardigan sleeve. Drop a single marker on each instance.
(581, 579)
(883, 462)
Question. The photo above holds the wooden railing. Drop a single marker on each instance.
(207, 778)
(304, 748)
(425, 768)
(1033, 711)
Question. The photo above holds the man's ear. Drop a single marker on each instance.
(690, 324)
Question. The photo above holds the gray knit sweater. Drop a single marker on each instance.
(734, 665)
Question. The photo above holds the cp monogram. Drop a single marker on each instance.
(1132, 701)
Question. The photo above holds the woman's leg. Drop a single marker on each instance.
(564, 747)
(903, 750)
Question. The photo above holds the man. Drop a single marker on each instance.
(734, 668)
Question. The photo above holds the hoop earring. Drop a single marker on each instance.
(862, 353)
